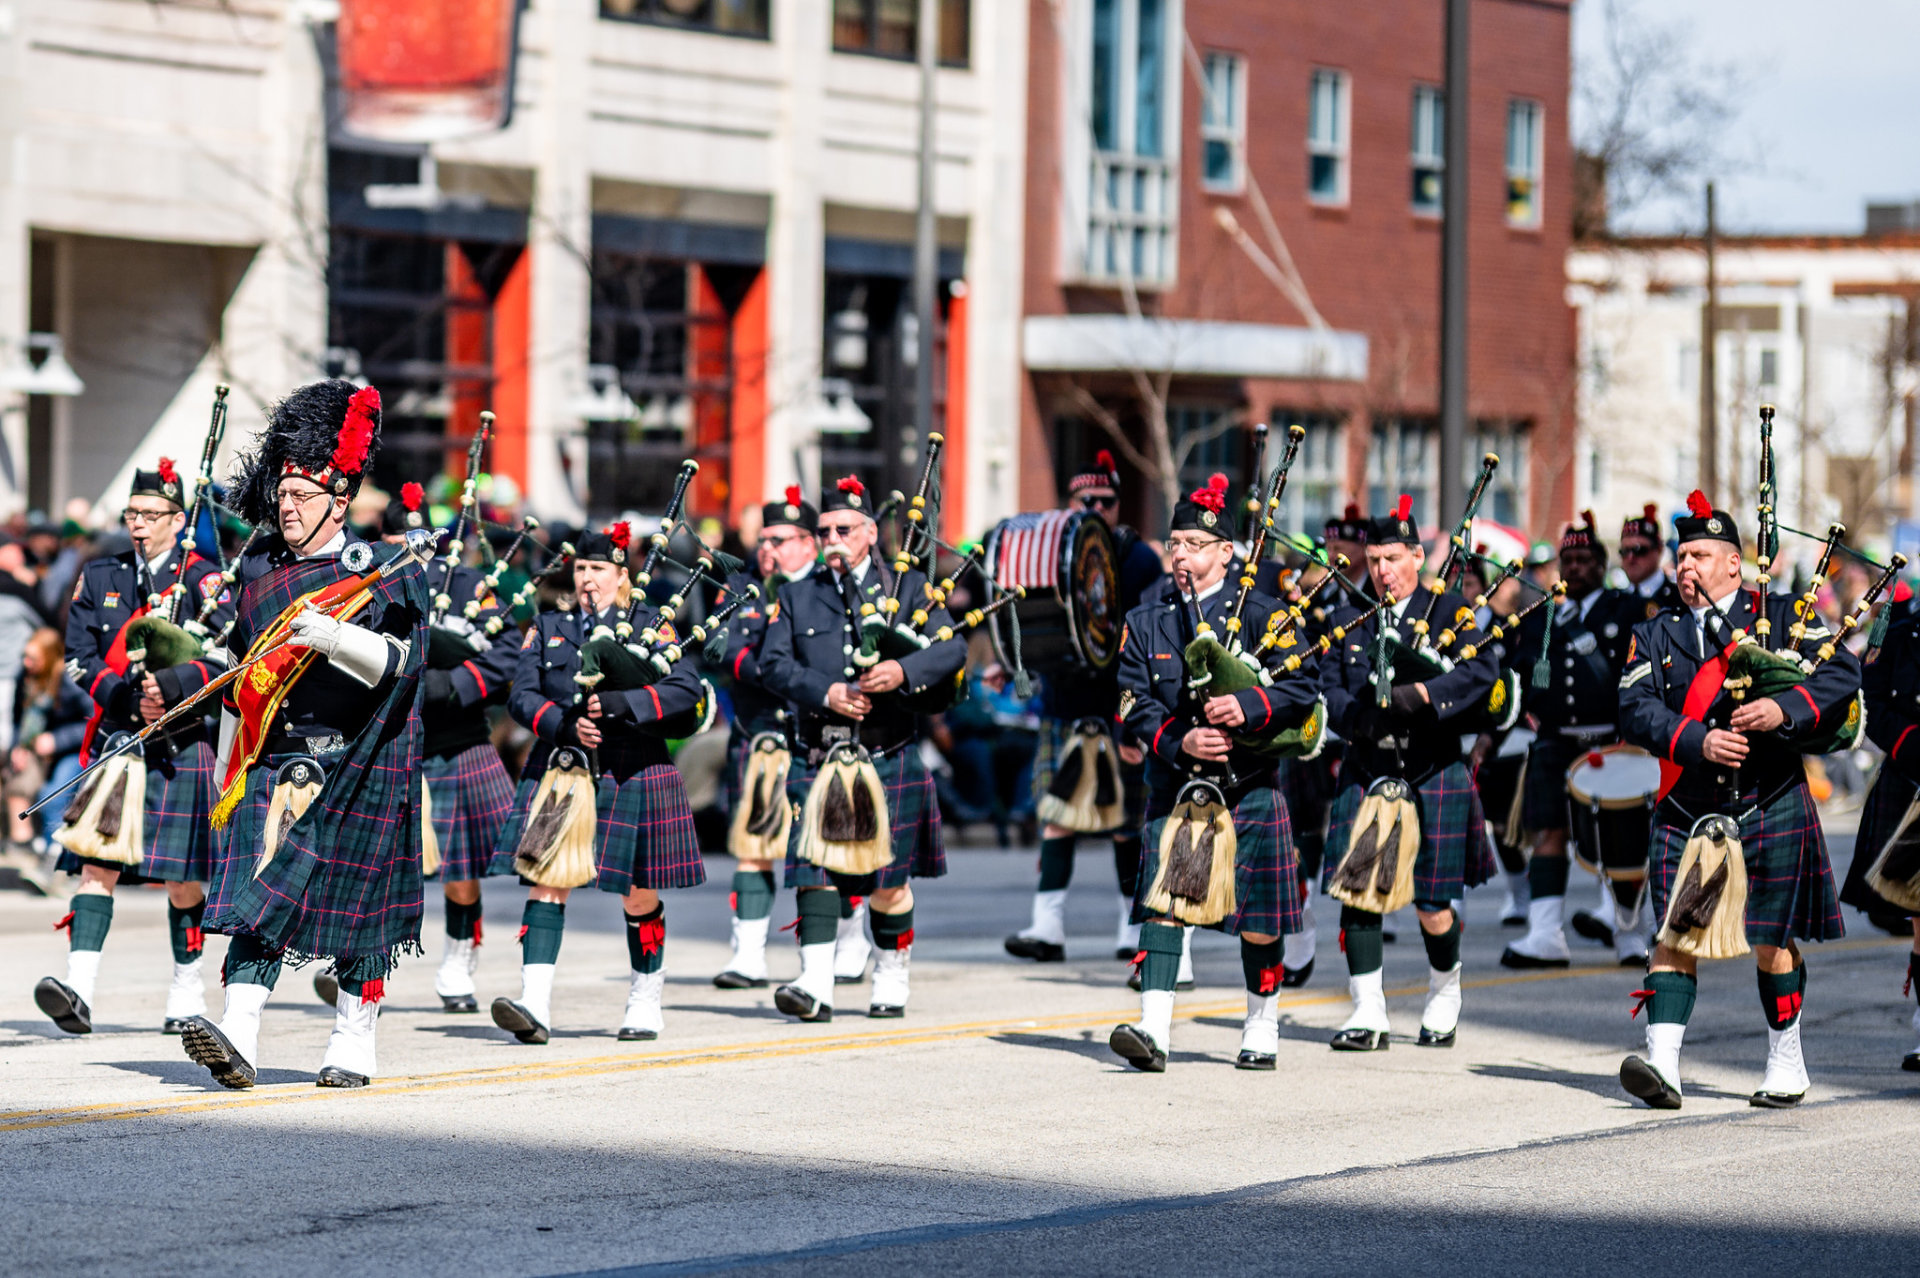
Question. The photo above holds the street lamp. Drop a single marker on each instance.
(51, 376)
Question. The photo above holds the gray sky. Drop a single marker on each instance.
(1832, 115)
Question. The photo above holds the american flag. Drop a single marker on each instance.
(1029, 549)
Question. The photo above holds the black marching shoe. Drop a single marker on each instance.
(628, 1034)
(1513, 958)
(173, 1025)
(1032, 947)
(1433, 1038)
(334, 1076)
(459, 1003)
(1293, 978)
(1138, 1049)
(1253, 1060)
(885, 1012)
(849, 980)
(1359, 1040)
(731, 980)
(64, 1007)
(1642, 1080)
(1125, 955)
(326, 987)
(514, 1018)
(1593, 927)
(207, 1046)
(1775, 1100)
(1911, 1061)
(797, 1003)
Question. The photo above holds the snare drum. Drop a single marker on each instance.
(1070, 618)
(1610, 795)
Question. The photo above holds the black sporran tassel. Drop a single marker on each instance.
(113, 809)
(838, 822)
(1106, 779)
(1694, 904)
(1066, 777)
(1388, 843)
(1356, 871)
(1190, 866)
(83, 796)
(866, 822)
(768, 808)
(545, 826)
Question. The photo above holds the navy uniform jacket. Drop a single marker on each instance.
(1661, 665)
(1890, 686)
(809, 645)
(1384, 743)
(546, 700)
(1649, 607)
(466, 670)
(104, 600)
(754, 708)
(1072, 695)
(1584, 660)
(1153, 668)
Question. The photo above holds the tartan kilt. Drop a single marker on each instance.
(1306, 785)
(913, 812)
(643, 833)
(472, 795)
(733, 776)
(179, 839)
(1543, 802)
(1790, 892)
(1266, 872)
(1055, 735)
(1879, 817)
(1455, 853)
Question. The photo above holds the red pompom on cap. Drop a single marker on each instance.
(1698, 505)
(1405, 509)
(168, 475)
(356, 433)
(1353, 513)
(412, 495)
(1651, 513)
(1103, 460)
(1586, 519)
(1214, 496)
(619, 534)
(793, 494)
(852, 485)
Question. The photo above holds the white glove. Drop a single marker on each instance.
(229, 728)
(354, 650)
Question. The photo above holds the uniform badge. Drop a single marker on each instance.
(1208, 518)
(357, 557)
(79, 586)
(209, 584)
(554, 641)
(1286, 639)
(773, 611)
(528, 641)
(112, 599)
(261, 677)
(1633, 648)
(1714, 526)
(1123, 634)
(1497, 700)
(1872, 655)
(1653, 610)
(491, 601)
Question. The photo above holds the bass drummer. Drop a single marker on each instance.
(1068, 697)
(1570, 657)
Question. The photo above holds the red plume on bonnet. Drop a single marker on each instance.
(793, 494)
(1214, 496)
(356, 434)
(168, 475)
(1698, 505)
(1405, 509)
(1103, 460)
(412, 495)
(620, 534)
(1651, 513)
(852, 485)
(1353, 513)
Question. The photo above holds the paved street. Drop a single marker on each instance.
(991, 1131)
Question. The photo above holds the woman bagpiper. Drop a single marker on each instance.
(642, 836)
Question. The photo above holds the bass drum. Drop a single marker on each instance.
(1070, 619)
(1610, 797)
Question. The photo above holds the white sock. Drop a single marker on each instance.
(240, 1019)
(816, 971)
(1663, 1050)
(83, 970)
(750, 948)
(351, 1045)
(187, 996)
(1369, 1001)
(1185, 975)
(850, 944)
(1156, 1017)
(1049, 917)
(455, 976)
(890, 976)
(1786, 1067)
(1442, 1013)
(1546, 936)
(1296, 948)
(1261, 1030)
(536, 991)
(643, 1002)
(1127, 937)
(1518, 892)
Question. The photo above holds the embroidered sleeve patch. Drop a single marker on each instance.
(1635, 675)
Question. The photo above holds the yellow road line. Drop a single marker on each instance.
(795, 1045)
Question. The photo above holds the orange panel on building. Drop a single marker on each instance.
(749, 459)
(512, 322)
(953, 465)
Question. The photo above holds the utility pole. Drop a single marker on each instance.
(1453, 274)
(926, 248)
(1709, 389)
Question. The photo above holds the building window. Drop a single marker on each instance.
(1429, 149)
(1133, 202)
(1506, 497)
(1327, 131)
(890, 28)
(1319, 476)
(1223, 123)
(1214, 445)
(730, 17)
(1404, 458)
(1769, 366)
(1526, 127)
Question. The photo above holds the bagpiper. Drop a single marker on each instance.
(1403, 764)
(600, 801)
(1569, 671)
(1074, 703)
(158, 834)
(320, 737)
(855, 727)
(1218, 851)
(1736, 780)
(1641, 551)
(759, 748)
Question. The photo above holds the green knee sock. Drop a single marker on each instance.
(819, 916)
(92, 916)
(183, 929)
(463, 921)
(1360, 938)
(1673, 995)
(1160, 969)
(1443, 948)
(1260, 964)
(251, 961)
(1781, 994)
(364, 977)
(752, 894)
(892, 931)
(647, 940)
(542, 924)
(1126, 864)
(1547, 876)
(1056, 863)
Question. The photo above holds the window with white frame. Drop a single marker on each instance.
(1133, 198)
(1526, 128)
(1327, 132)
(1319, 476)
(1404, 458)
(1429, 149)
(1505, 501)
(1223, 123)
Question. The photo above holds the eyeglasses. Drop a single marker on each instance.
(1635, 549)
(138, 518)
(299, 498)
(1093, 501)
(838, 530)
(1191, 546)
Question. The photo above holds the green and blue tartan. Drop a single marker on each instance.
(1454, 854)
(472, 796)
(1266, 880)
(1879, 817)
(1790, 891)
(1055, 734)
(913, 811)
(643, 831)
(179, 840)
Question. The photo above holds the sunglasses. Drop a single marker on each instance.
(1092, 502)
(1635, 550)
(837, 530)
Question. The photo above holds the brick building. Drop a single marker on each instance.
(1186, 149)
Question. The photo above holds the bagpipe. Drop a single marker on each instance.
(453, 637)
